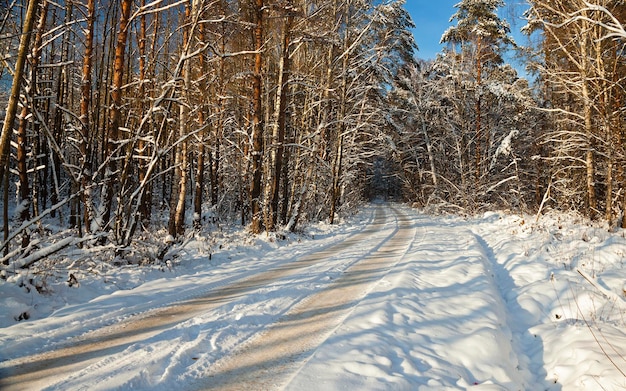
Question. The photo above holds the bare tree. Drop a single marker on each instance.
(584, 81)
(279, 120)
(18, 73)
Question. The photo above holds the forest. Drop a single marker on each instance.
(126, 117)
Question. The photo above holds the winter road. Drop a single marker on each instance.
(311, 320)
(270, 357)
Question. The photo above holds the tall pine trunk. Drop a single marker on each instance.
(11, 112)
(335, 192)
(142, 145)
(85, 120)
(478, 112)
(200, 149)
(25, 199)
(115, 116)
(257, 120)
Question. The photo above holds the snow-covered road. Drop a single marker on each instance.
(396, 300)
(313, 314)
(456, 331)
(270, 359)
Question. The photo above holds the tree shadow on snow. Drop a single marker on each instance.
(528, 347)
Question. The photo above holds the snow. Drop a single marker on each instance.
(495, 302)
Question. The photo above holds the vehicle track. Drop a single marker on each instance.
(271, 358)
(323, 309)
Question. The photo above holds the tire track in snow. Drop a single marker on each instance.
(113, 315)
(44, 369)
(267, 361)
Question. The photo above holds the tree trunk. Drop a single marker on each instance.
(337, 163)
(24, 196)
(176, 224)
(479, 70)
(11, 112)
(279, 121)
(5, 212)
(199, 185)
(200, 149)
(286, 186)
(431, 157)
(115, 116)
(587, 112)
(257, 121)
(142, 146)
(335, 191)
(181, 161)
(85, 120)
(22, 169)
(214, 158)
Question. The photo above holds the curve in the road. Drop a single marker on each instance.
(268, 360)
(33, 372)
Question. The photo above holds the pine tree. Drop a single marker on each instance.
(481, 33)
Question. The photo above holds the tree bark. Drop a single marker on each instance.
(115, 116)
(11, 112)
(257, 121)
(278, 134)
(24, 198)
(200, 148)
(142, 146)
(341, 121)
(431, 157)
(85, 120)
(478, 113)
(181, 160)
(587, 112)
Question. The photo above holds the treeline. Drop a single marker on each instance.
(582, 71)
(266, 111)
(126, 115)
(479, 136)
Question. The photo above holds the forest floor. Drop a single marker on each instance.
(390, 299)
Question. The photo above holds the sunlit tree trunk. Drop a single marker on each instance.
(588, 123)
(257, 120)
(181, 159)
(11, 112)
(142, 145)
(478, 113)
(115, 116)
(203, 70)
(335, 191)
(85, 120)
(279, 121)
(24, 196)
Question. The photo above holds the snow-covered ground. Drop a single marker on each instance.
(497, 302)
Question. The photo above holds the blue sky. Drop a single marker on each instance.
(431, 18)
